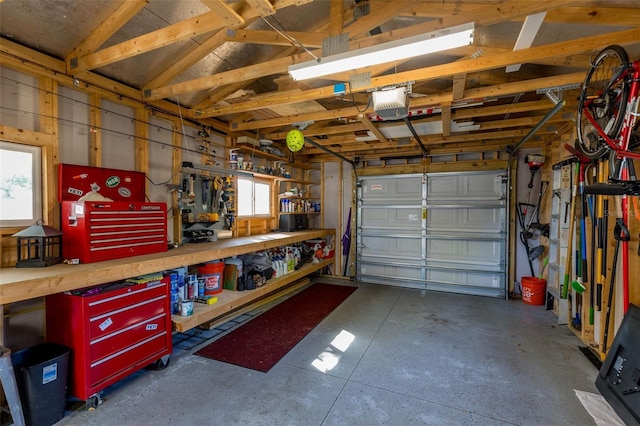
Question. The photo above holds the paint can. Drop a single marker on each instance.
(186, 308)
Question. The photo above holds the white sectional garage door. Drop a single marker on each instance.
(439, 231)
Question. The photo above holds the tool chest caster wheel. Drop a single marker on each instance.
(93, 402)
(160, 364)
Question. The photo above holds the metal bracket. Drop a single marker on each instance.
(555, 93)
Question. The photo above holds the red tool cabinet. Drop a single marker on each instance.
(96, 231)
(113, 330)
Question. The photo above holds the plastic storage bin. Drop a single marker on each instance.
(41, 373)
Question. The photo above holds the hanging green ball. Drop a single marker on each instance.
(295, 140)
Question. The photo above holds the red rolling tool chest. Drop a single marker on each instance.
(113, 330)
(95, 231)
(105, 216)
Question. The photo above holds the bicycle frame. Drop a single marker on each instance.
(620, 144)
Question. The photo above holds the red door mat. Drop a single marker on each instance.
(263, 341)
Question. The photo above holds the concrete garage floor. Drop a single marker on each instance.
(417, 357)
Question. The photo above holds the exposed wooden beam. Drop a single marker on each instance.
(446, 119)
(228, 14)
(372, 128)
(188, 60)
(95, 132)
(25, 136)
(322, 130)
(459, 81)
(477, 93)
(445, 70)
(229, 77)
(308, 40)
(127, 10)
(362, 26)
(488, 15)
(595, 15)
(263, 7)
(336, 17)
(28, 56)
(201, 24)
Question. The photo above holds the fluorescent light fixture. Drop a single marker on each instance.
(188, 167)
(423, 44)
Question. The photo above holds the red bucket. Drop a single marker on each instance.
(533, 290)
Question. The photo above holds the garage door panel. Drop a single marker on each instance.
(400, 218)
(481, 186)
(390, 271)
(480, 219)
(385, 190)
(443, 187)
(463, 251)
(465, 279)
(384, 248)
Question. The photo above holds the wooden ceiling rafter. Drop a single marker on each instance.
(127, 10)
(475, 94)
(228, 14)
(280, 65)
(360, 28)
(336, 17)
(440, 71)
(188, 28)
(262, 7)
(272, 38)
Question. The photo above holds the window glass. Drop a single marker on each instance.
(20, 195)
(245, 197)
(262, 199)
(254, 198)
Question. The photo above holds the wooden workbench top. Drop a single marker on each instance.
(18, 284)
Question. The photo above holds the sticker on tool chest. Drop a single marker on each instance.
(105, 324)
(151, 327)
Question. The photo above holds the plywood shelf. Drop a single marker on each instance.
(250, 149)
(18, 284)
(231, 300)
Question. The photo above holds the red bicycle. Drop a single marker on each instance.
(608, 106)
(607, 124)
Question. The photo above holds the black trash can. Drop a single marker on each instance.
(41, 374)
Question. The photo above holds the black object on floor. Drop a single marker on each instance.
(41, 374)
(619, 377)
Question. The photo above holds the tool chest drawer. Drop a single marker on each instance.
(116, 321)
(113, 330)
(123, 300)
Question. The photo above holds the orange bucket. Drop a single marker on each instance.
(533, 290)
(213, 277)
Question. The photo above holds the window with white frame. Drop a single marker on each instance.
(20, 185)
(254, 198)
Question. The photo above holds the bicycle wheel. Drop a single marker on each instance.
(603, 100)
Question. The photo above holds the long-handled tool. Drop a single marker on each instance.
(567, 271)
(580, 285)
(592, 258)
(534, 161)
(602, 205)
(621, 234)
